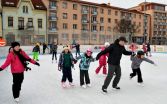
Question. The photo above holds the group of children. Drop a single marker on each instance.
(67, 61)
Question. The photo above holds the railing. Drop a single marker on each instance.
(94, 12)
(53, 18)
(52, 30)
(84, 21)
(85, 12)
(51, 7)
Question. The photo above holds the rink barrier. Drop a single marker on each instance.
(95, 48)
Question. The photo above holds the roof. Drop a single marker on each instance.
(38, 4)
(152, 3)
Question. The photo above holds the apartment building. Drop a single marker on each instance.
(0, 20)
(24, 21)
(158, 24)
(90, 23)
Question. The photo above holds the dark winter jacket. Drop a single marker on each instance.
(61, 60)
(85, 61)
(36, 49)
(77, 47)
(54, 48)
(115, 53)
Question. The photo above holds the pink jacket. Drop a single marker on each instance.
(16, 65)
(133, 47)
(103, 58)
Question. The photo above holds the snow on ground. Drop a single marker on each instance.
(42, 85)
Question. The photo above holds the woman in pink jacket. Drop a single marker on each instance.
(103, 60)
(17, 59)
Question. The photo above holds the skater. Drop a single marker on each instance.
(77, 46)
(44, 47)
(17, 59)
(133, 47)
(54, 52)
(66, 62)
(148, 49)
(136, 62)
(144, 48)
(115, 53)
(103, 60)
(84, 64)
(36, 52)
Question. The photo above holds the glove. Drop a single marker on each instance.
(37, 64)
(59, 68)
(1, 69)
(28, 68)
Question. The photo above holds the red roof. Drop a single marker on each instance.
(38, 4)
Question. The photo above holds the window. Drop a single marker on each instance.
(101, 20)
(20, 23)
(64, 5)
(102, 11)
(10, 21)
(52, 4)
(134, 15)
(109, 12)
(139, 23)
(74, 16)
(65, 36)
(39, 23)
(30, 23)
(74, 26)
(116, 13)
(140, 16)
(64, 15)
(65, 26)
(53, 25)
(101, 28)
(94, 28)
(25, 9)
(74, 6)
(109, 20)
(94, 18)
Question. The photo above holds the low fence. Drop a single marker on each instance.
(28, 49)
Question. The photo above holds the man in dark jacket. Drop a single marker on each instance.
(115, 53)
(77, 46)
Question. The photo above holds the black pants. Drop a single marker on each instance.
(77, 52)
(67, 74)
(138, 72)
(111, 70)
(44, 50)
(54, 54)
(17, 82)
(84, 75)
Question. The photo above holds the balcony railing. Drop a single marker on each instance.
(84, 30)
(51, 7)
(94, 22)
(20, 27)
(84, 21)
(85, 12)
(94, 13)
(52, 29)
(53, 18)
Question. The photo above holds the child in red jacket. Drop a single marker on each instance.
(103, 60)
(17, 58)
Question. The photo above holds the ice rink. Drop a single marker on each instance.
(42, 85)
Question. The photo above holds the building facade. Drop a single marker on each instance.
(24, 21)
(90, 23)
(0, 20)
(158, 24)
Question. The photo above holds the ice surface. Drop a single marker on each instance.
(42, 85)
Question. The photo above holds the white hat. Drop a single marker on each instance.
(106, 44)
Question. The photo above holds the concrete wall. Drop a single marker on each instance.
(28, 49)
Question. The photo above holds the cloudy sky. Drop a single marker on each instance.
(126, 3)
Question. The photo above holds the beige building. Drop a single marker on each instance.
(24, 21)
(90, 23)
(158, 24)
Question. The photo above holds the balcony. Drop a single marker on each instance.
(30, 27)
(20, 27)
(53, 18)
(52, 29)
(84, 30)
(84, 21)
(94, 22)
(51, 7)
(85, 12)
(94, 13)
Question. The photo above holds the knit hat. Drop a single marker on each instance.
(14, 44)
(89, 50)
(140, 53)
(106, 44)
(66, 47)
(122, 39)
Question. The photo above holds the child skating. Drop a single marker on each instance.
(17, 58)
(136, 62)
(66, 62)
(103, 60)
(36, 52)
(84, 65)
